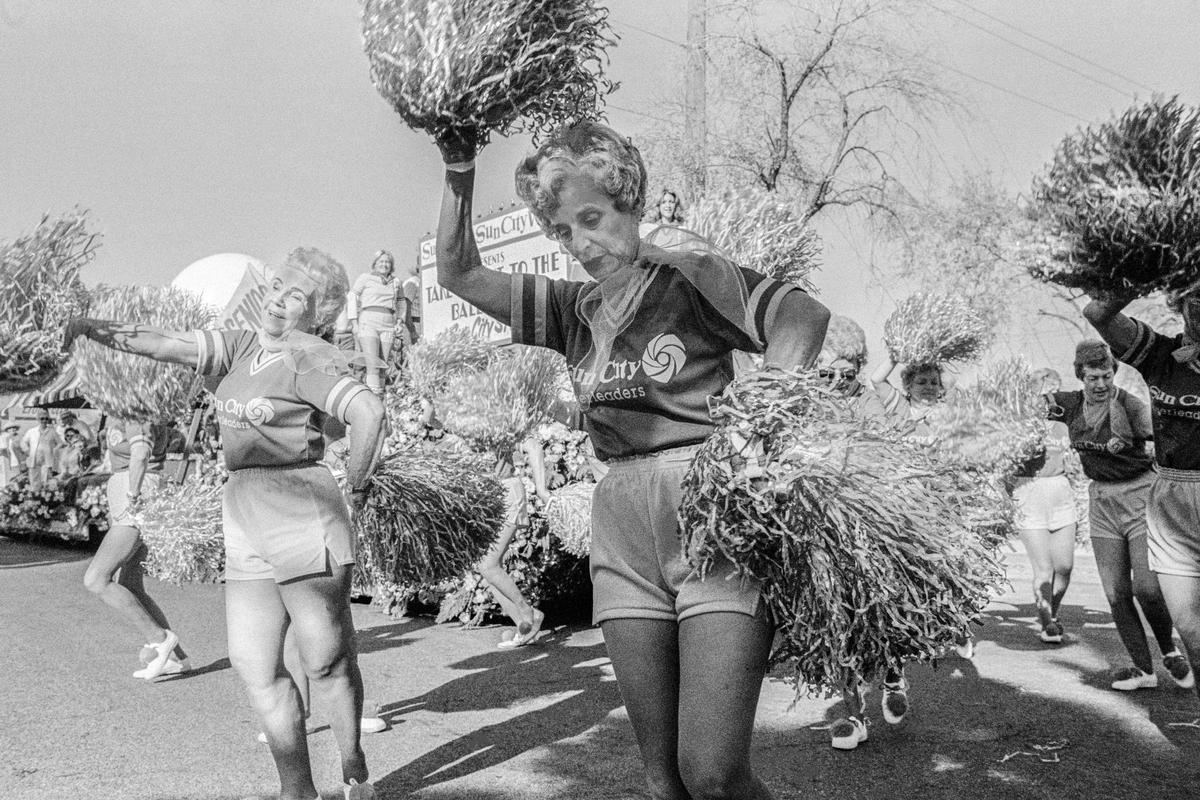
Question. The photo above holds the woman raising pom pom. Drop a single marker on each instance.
(289, 542)
(647, 341)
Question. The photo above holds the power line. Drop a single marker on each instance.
(1059, 48)
(658, 36)
(1031, 51)
(1014, 93)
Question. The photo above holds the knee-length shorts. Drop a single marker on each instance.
(637, 565)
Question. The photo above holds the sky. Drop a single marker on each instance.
(195, 128)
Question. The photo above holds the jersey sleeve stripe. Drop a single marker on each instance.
(1140, 348)
(541, 299)
(517, 310)
(892, 403)
(758, 306)
(340, 396)
(204, 352)
(772, 301)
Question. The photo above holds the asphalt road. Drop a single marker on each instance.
(470, 722)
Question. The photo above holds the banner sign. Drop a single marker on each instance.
(245, 307)
(510, 242)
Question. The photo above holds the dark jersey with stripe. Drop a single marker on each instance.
(676, 352)
(1174, 396)
(1099, 463)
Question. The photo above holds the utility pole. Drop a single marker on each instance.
(694, 108)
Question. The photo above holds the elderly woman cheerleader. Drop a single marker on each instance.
(1171, 367)
(136, 452)
(1109, 429)
(647, 341)
(289, 543)
(372, 309)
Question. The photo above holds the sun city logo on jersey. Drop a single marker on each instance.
(665, 355)
(661, 361)
(235, 414)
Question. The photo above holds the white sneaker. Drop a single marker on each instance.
(162, 653)
(173, 666)
(847, 733)
(1131, 678)
(373, 725)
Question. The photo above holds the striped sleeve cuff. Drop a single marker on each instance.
(1139, 349)
(209, 344)
(338, 400)
(763, 305)
(892, 404)
(530, 301)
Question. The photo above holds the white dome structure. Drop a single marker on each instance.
(216, 278)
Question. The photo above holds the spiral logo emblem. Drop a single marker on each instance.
(115, 437)
(664, 357)
(260, 411)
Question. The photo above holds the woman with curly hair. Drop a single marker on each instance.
(289, 543)
(647, 341)
(923, 388)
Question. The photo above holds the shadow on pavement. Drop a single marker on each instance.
(576, 681)
(18, 553)
(385, 637)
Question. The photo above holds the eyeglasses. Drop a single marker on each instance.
(847, 374)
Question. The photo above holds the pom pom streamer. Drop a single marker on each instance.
(868, 548)
(131, 387)
(181, 526)
(40, 292)
(1120, 203)
(759, 231)
(995, 425)
(496, 408)
(452, 352)
(569, 515)
(428, 517)
(499, 66)
(933, 328)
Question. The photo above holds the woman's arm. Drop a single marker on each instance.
(879, 378)
(459, 267)
(365, 417)
(1116, 329)
(536, 455)
(139, 459)
(175, 347)
(796, 334)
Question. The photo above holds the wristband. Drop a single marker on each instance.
(461, 166)
(359, 490)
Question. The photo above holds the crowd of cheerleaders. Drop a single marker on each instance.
(288, 532)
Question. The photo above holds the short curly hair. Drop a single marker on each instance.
(1095, 354)
(609, 158)
(332, 286)
(910, 372)
(844, 339)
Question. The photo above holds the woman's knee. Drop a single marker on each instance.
(713, 776)
(97, 579)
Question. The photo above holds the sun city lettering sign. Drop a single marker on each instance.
(510, 242)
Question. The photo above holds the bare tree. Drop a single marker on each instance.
(977, 243)
(816, 102)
